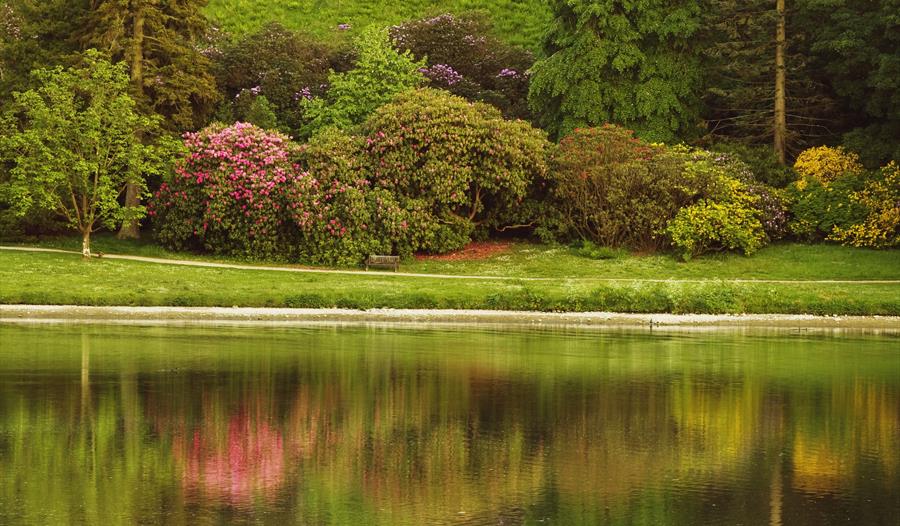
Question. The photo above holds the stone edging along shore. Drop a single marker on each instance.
(270, 316)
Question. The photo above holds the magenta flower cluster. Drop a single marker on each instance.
(442, 74)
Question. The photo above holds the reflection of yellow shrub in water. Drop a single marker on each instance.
(827, 460)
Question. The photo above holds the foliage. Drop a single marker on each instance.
(760, 159)
(256, 110)
(818, 208)
(881, 198)
(855, 48)
(461, 162)
(467, 60)
(159, 41)
(731, 222)
(630, 63)
(379, 74)
(276, 63)
(34, 35)
(826, 164)
(614, 190)
(234, 192)
(73, 146)
(348, 219)
(876, 143)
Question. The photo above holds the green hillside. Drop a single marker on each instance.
(520, 22)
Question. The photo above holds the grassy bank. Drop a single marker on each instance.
(33, 278)
(519, 22)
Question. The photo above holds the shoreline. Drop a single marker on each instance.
(284, 316)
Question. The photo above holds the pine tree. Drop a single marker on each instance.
(157, 38)
(759, 87)
(626, 62)
(169, 76)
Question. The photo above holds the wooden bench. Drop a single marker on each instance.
(392, 262)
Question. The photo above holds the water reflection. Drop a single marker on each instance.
(355, 426)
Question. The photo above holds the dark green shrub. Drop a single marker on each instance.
(761, 161)
(277, 63)
(614, 190)
(459, 163)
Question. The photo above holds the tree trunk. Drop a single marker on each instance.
(86, 243)
(131, 228)
(780, 110)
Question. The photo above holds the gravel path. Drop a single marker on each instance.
(275, 317)
(238, 266)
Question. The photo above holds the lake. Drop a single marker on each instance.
(407, 426)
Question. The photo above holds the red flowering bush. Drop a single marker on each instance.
(236, 192)
(612, 189)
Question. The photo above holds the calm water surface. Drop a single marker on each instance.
(132, 425)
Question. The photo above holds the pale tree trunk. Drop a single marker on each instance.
(780, 110)
(131, 228)
(86, 243)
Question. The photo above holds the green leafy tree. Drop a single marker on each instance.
(73, 146)
(624, 62)
(381, 72)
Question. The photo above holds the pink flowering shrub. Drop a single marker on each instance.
(247, 192)
(235, 192)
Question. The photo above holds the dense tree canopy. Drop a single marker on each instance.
(158, 40)
(626, 62)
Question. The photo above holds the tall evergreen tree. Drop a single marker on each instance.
(169, 75)
(626, 62)
(158, 40)
(759, 86)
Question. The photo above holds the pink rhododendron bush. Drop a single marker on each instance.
(241, 191)
(235, 192)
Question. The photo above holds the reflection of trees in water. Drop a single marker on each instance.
(417, 442)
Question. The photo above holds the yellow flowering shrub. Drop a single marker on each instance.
(732, 223)
(881, 227)
(825, 164)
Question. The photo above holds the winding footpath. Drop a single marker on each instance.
(306, 270)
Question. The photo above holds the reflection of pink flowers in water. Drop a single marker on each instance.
(250, 465)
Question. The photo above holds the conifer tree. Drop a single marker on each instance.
(626, 62)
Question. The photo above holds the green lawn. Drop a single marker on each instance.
(788, 261)
(579, 283)
(520, 22)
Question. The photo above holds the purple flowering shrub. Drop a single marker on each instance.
(235, 192)
(467, 60)
(442, 74)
